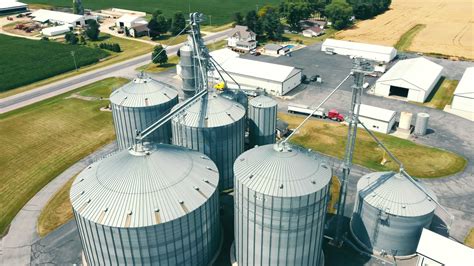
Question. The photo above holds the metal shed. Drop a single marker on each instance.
(138, 207)
(376, 118)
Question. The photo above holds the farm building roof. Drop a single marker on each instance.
(465, 87)
(222, 55)
(44, 15)
(127, 18)
(359, 46)
(377, 113)
(444, 250)
(9, 4)
(419, 72)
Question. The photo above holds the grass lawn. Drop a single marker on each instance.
(130, 49)
(42, 140)
(405, 40)
(469, 240)
(221, 11)
(25, 61)
(294, 37)
(209, 28)
(443, 95)
(330, 138)
(57, 212)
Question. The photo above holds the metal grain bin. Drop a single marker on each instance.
(389, 213)
(188, 75)
(280, 206)
(421, 123)
(214, 126)
(262, 118)
(139, 208)
(236, 96)
(137, 105)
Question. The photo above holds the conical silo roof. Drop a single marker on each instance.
(281, 171)
(263, 101)
(142, 92)
(395, 194)
(153, 185)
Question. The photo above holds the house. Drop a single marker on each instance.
(373, 52)
(464, 94)
(62, 18)
(136, 25)
(10, 7)
(242, 38)
(410, 79)
(312, 32)
(305, 24)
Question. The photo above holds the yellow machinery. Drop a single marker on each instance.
(220, 86)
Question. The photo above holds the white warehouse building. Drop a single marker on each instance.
(376, 118)
(250, 74)
(372, 52)
(410, 79)
(464, 94)
(43, 16)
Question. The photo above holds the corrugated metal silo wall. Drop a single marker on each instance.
(279, 231)
(192, 239)
(398, 235)
(129, 119)
(187, 72)
(222, 144)
(262, 125)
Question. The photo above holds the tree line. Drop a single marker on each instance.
(159, 24)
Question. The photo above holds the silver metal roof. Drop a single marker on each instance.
(282, 171)
(143, 92)
(395, 194)
(262, 101)
(142, 188)
(212, 111)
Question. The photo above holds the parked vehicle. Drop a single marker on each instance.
(333, 114)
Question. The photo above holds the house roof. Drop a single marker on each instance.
(9, 4)
(376, 113)
(465, 87)
(444, 250)
(242, 31)
(420, 72)
(44, 15)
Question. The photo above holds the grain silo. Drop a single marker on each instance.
(214, 126)
(236, 96)
(390, 212)
(137, 207)
(137, 105)
(262, 118)
(280, 206)
(188, 71)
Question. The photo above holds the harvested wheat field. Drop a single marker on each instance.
(448, 27)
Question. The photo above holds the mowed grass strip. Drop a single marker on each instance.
(44, 139)
(330, 138)
(25, 61)
(405, 40)
(221, 11)
(469, 240)
(443, 95)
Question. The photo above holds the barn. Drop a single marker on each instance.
(376, 118)
(10, 7)
(464, 94)
(410, 79)
(367, 51)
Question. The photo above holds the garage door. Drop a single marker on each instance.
(398, 91)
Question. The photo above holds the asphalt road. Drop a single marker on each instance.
(68, 84)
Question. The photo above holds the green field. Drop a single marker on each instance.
(24, 61)
(42, 140)
(419, 161)
(221, 11)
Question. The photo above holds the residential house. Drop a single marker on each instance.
(242, 38)
(312, 32)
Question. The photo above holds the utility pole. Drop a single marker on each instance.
(360, 68)
(210, 20)
(74, 59)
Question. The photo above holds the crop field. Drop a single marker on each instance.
(42, 140)
(24, 61)
(221, 11)
(447, 27)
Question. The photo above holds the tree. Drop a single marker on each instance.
(158, 24)
(77, 7)
(159, 55)
(238, 18)
(253, 22)
(272, 25)
(263, 10)
(339, 13)
(71, 38)
(294, 12)
(163, 24)
(178, 24)
(92, 31)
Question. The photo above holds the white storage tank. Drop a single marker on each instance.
(405, 120)
(280, 204)
(390, 213)
(421, 123)
(214, 126)
(137, 105)
(262, 118)
(188, 71)
(137, 207)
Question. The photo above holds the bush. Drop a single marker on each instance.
(114, 47)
